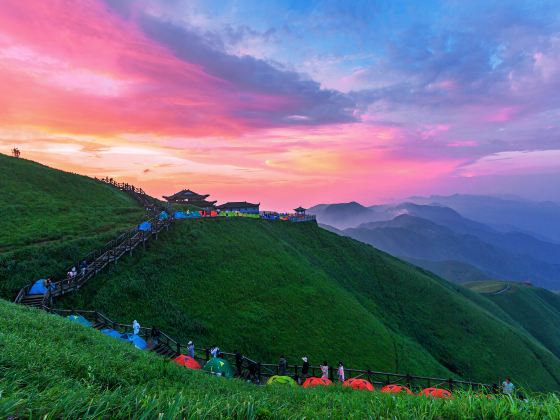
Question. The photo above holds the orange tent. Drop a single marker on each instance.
(186, 361)
(436, 393)
(395, 389)
(356, 383)
(312, 382)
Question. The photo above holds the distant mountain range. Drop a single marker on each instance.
(440, 239)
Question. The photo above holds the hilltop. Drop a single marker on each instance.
(54, 368)
(271, 287)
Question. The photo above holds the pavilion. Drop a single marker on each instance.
(191, 198)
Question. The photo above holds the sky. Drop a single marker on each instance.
(288, 102)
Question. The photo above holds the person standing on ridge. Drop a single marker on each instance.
(507, 386)
(282, 366)
(325, 370)
(238, 362)
(340, 372)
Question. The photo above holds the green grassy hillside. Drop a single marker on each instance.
(536, 310)
(51, 368)
(271, 288)
(51, 218)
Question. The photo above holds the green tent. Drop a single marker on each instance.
(219, 367)
(281, 380)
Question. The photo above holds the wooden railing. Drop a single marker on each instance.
(265, 370)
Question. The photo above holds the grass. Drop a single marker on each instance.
(534, 309)
(51, 368)
(52, 218)
(270, 288)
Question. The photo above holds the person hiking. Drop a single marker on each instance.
(507, 386)
(83, 267)
(48, 283)
(135, 327)
(154, 335)
(253, 377)
(324, 370)
(215, 351)
(238, 363)
(304, 368)
(340, 372)
(190, 349)
(282, 366)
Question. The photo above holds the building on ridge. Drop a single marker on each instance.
(300, 211)
(191, 198)
(240, 206)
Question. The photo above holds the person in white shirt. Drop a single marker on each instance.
(136, 327)
(507, 386)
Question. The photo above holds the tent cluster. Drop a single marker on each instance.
(262, 215)
(359, 384)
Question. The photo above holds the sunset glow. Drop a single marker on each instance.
(178, 94)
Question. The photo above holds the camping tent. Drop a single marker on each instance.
(395, 389)
(219, 367)
(112, 333)
(163, 215)
(281, 380)
(136, 340)
(180, 215)
(356, 383)
(79, 319)
(435, 393)
(38, 288)
(145, 226)
(187, 361)
(313, 382)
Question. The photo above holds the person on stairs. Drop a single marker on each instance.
(83, 267)
(190, 349)
(340, 372)
(215, 352)
(238, 363)
(325, 370)
(136, 327)
(304, 368)
(282, 366)
(154, 335)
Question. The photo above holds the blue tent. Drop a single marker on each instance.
(145, 226)
(38, 288)
(163, 216)
(180, 215)
(113, 333)
(79, 319)
(138, 341)
(194, 214)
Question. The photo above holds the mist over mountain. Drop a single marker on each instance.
(441, 239)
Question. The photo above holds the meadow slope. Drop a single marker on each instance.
(270, 288)
(52, 218)
(52, 368)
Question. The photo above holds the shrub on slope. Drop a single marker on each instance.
(271, 288)
(51, 218)
(52, 368)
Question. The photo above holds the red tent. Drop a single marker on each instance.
(436, 393)
(312, 382)
(186, 361)
(356, 383)
(395, 389)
